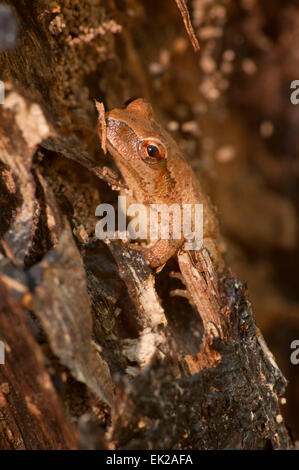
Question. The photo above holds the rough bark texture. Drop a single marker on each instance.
(100, 353)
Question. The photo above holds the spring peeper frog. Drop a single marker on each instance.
(155, 171)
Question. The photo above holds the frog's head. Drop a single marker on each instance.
(135, 137)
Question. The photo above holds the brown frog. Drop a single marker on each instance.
(155, 171)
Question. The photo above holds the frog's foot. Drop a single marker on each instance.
(215, 251)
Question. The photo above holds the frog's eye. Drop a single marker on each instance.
(152, 151)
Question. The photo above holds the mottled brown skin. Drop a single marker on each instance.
(168, 181)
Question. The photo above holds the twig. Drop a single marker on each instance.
(188, 25)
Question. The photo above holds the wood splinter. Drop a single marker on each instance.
(187, 22)
(102, 128)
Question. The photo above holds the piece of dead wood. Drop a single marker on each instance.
(149, 314)
(61, 303)
(22, 127)
(31, 415)
(218, 397)
(201, 282)
(187, 22)
(69, 147)
(66, 322)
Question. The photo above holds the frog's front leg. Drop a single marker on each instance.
(158, 254)
(215, 249)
